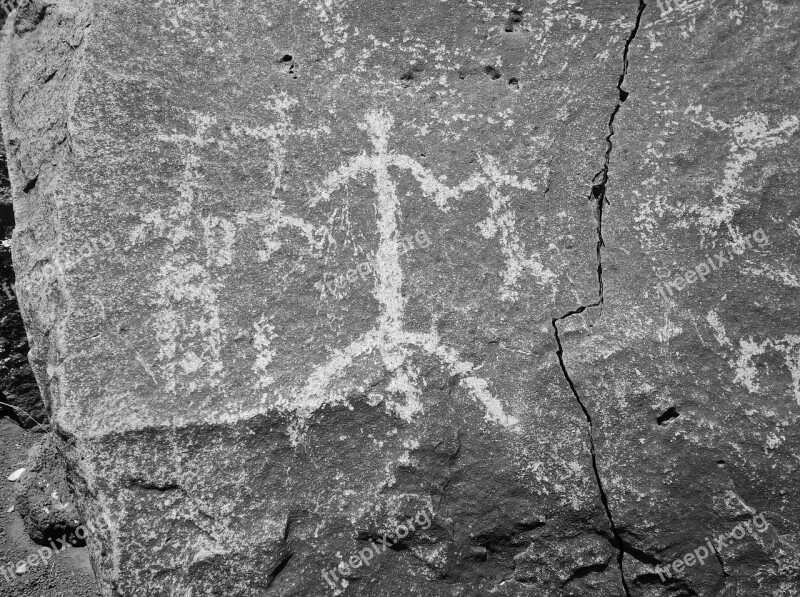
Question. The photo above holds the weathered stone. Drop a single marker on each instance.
(297, 274)
(694, 393)
(44, 499)
(19, 396)
(67, 572)
(19, 393)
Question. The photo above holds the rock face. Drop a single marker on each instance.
(695, 392)
(19, 393)
(43, 498)
(362, 297)
(18, 390)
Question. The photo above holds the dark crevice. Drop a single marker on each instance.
(278, 569)
(514, 19)
(492, 72)
(20, 398)
(649, 578)
(153, 485)
(50, 77)
(287, 527)
(667, 415)
(30, 185)
(598, 195)
(721, 565)
(584, 571)
(617, 539)
(642, 556)
(6, 219)
(598, 192)
(414, 73)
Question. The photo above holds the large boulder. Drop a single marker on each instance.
(351, 297)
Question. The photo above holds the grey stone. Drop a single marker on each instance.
(43, 498)
(295, 274)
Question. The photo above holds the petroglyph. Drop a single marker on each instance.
(390, 340)
(750, 133)
(186, 286)
(502, 222)
(746, 372)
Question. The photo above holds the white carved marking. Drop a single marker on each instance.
(742, 364)
(262, 341)
(198, 342)
(502, 221)
(196, 336)
(750, 133)
(389, 339)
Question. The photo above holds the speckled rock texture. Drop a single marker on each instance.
(301, 275)
(20, 398)
(42, 497)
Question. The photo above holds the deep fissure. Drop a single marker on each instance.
(617, 539)
(598, 194)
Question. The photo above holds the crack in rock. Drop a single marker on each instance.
(598, 194)
(618, 542)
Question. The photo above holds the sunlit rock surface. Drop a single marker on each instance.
(299, 274)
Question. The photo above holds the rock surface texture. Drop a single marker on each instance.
(20, 398)
(431, 298)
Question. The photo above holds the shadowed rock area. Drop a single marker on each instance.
(20, 399)
(368, 298)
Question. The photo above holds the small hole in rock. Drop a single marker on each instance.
(413, 73)
(513, 82)
(668, 415)
(514, 18)
(492, 72)
(286, 58)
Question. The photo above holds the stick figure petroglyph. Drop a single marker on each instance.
(390, 339)
(190, 347)
(185, 280)
(502, 221)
